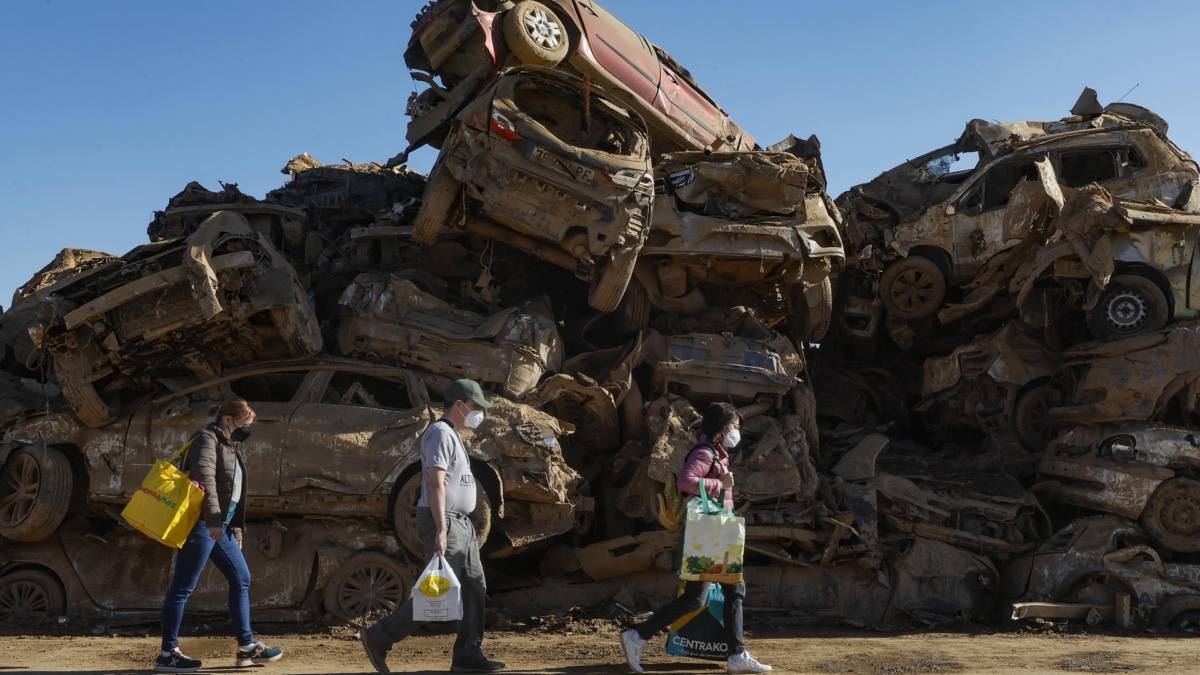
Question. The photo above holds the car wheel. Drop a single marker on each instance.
(535, 34)
(35, 491)
(810, 310)
(436, 203)
(87, 403)
(30, 598)
(1172, 515)
(404, 515)
(1129, 305)
(912, 288)
(366, 583)
(1178, 614)
(606, 293)
(1031, 416)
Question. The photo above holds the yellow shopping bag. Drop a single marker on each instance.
(167, 505)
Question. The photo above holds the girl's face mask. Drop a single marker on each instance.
(240, 434)
(732, 438)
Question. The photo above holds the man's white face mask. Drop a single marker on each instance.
(473, 419)
(732, 438)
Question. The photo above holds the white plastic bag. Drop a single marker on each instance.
(437, 595)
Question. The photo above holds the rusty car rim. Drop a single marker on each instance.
(26, 600)
(542, 27)
(1172, 515)
(368, 583)
(19, 488)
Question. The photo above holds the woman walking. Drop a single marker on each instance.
(706, 468)
(215, 462)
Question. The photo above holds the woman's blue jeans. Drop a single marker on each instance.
(189, 563)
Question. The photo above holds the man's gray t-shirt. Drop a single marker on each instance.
(441, 446)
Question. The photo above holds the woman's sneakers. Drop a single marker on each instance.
(634, 645)
(744, 663)
(257, 654)
(175, 661)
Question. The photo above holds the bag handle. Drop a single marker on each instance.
(710, 506)
(181, 451)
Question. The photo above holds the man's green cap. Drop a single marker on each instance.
(466, 390)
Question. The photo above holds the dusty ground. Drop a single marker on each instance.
(593, 648)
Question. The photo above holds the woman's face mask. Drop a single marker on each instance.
(240, 434)
(732, 438)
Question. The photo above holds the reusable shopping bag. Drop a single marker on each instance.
(437, 595)
(701, 634)
(713, 542)
(167, 505)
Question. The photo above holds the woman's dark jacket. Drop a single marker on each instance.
(212, 461)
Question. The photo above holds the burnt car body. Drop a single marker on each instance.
(550, 166)
(466, 42)
(303, 568)
(220, 298)
(928, 227)
(750, 228)
(333, 437)
(1142, 472)
(1092, 560)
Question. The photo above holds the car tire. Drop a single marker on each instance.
(1031, 416)
(912, 288)
(436, 203)
(35, 492)
(87, 403)
(367, 583)
(606, 292)
(1129, 305)
(535, 34)
(30, 598)
(404, 515)
(633, 313)
(1178, 614)
(1172, 516)
(810, 310)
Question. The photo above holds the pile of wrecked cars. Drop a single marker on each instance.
(925, 366)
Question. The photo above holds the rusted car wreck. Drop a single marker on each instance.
(605, 265)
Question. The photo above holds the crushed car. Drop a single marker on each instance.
(222, 297)
(1142, 472)
(464, 43)
(335, 437)
(927, 227)
(751, 228)
(551, 166)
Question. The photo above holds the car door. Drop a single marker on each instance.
(622, 52)
(980, 223)
(354, 433)
(686, 103)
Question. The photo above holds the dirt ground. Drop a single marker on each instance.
(594, 648)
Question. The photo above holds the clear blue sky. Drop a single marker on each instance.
(109, 108)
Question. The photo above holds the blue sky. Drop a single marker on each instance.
(109, 108)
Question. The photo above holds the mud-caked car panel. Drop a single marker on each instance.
(222, 297)
(553, 160)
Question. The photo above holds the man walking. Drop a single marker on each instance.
(444, 523)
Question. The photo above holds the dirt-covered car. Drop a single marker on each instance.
(551, 165)
(464, 43)
(1142, 472)
(220, 298)
(333, 437)
(929, 227)
(304, 568)
(750, 228)
(1081, 570)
